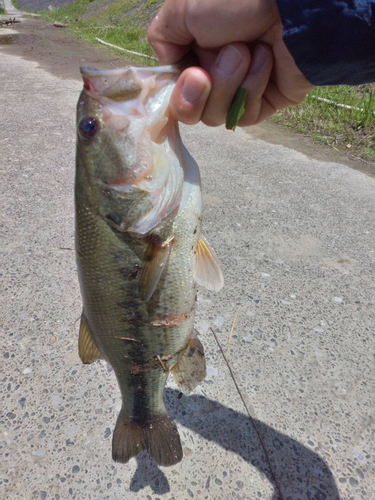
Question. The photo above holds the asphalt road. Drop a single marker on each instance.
(42, 4)
(297, 243)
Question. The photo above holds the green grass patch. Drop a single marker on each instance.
(120, 22)
(73, 12)
(129, 37)
(2, 11)
(151, 2)
(341, 128)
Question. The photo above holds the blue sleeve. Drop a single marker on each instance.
(331, 41)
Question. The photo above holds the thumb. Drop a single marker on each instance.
(168, 34)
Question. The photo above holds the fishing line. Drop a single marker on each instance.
(249, 415)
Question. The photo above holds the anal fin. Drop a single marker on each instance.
(207, 270)
(159, 437)
(190, 368)
(87, 349)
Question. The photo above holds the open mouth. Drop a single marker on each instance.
(122, 84)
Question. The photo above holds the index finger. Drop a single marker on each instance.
(168, 34)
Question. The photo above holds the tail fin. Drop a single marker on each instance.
(129, 439)
(159, 437)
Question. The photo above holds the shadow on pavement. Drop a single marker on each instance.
(148, 473)
(301, 473)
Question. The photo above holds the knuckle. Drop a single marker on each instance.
(212, 121)
(185, 115)
(249, 121)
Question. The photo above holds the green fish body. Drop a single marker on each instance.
(140, 250)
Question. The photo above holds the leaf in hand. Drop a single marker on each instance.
(237, 109)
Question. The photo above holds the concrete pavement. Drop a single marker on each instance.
(12, 11)
(297, 244)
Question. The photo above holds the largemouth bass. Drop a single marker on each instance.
(140, 250)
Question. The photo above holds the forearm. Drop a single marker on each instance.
(331, 41)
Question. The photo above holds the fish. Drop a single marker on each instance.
(140, 250)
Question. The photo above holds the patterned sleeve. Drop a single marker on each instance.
(332, 41)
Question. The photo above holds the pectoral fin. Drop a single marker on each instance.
(207, 270)
(88, 352)
(154, 262)
(190, 368)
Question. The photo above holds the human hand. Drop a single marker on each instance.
(239, 45)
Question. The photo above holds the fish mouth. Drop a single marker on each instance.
(190, 59)
(122, 84)
(93, 72)
(123, 184)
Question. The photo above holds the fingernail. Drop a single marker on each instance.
(228, 61)
(192, 89)
(259, 58)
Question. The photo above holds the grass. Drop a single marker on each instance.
(340, 128)
(70, 13)
(122, 22)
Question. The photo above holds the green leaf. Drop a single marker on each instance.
(236, 110)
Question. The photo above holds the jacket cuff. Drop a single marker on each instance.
(331, 41)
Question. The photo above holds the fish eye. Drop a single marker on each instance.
(88, 127)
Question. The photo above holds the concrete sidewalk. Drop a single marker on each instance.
(10, 10)
(297, 243)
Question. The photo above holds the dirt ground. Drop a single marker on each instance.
(58, 51)
(61, 53)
